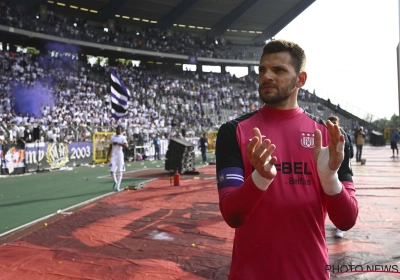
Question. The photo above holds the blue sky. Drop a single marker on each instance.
(351, 53)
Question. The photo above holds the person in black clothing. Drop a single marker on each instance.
(203, 147)
(394, 138)
(21, 142)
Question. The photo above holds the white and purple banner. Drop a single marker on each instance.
(120, 96)
(45, 156)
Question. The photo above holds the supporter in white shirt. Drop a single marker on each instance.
(50, 135)
(55, 137)
(21, 129)
(18, 119)
(25, 118)
(15, 131)
(56, 129)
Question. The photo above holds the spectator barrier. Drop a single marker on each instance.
(46, 156)
(42, 156)
(12, 159)
(101, 142)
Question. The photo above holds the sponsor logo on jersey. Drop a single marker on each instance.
(295, 168)
(299, 181)
(307, 140)
(221, 178)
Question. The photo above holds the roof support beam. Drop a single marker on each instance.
(30, 4)
(169, 19)
(221, 27)
(110, 10)
(278, 25)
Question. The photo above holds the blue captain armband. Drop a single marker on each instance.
(230, 177)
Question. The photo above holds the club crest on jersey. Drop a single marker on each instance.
(307, 140)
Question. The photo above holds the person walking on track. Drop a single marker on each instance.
(115, 157)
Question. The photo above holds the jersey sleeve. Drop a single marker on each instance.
(343, 208)
(227, 149)
(238, 196)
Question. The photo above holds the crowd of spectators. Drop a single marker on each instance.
(72, 100)
(145, 38)
(69, 99)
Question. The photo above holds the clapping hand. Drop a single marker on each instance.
(259, 154)
(336, 144)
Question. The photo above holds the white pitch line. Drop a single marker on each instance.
(74, 206)
(48, 216)
(127, 172)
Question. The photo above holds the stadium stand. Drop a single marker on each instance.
(71, 96)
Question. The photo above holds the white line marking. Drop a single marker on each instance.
(133, 171)
(71, 207)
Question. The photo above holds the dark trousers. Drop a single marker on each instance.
(358, 152)
(204, 154)
(157, 152)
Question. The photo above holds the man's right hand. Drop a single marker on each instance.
(259, 154)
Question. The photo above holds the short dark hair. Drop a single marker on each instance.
(296, 52)
(334, 119)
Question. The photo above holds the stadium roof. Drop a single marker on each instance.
(239, 21)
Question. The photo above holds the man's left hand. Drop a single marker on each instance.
(336, 155)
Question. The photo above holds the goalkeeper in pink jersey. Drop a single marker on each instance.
(280, 172)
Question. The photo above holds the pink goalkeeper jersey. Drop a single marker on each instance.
(280, 233)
